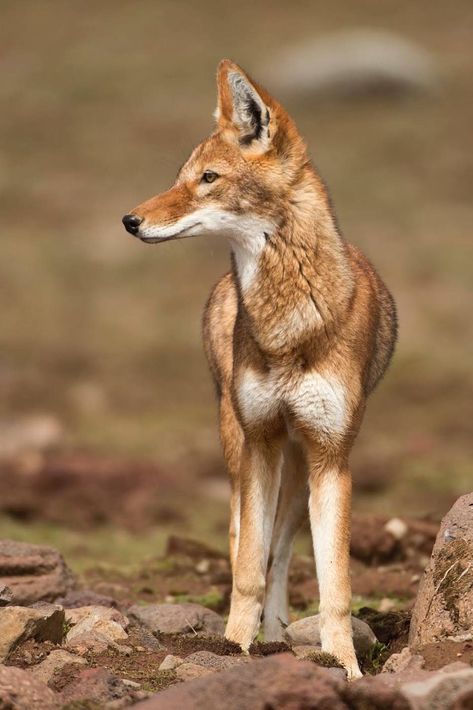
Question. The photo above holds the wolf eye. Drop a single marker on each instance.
(209, 176)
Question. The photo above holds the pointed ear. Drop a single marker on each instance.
(241, 110)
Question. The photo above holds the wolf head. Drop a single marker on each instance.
(238, 181)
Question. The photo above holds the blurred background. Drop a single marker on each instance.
(107, 412)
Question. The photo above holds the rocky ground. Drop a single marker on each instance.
(155, 639)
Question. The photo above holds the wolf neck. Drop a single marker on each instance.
(295, 282)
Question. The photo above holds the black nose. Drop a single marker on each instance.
(132, 223)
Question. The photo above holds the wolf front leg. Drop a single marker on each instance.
(259, 487)
(231, 437)
(330, 511)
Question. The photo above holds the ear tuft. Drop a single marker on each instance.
(241, 107)
(250, 113)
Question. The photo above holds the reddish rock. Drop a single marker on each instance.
(85, 597)
(100, 686)
(81, 489)
(444, 605)
(190, 671)
(19, 690)
(33, 572)
(56, 661)
(277, 682)
(464, 700)
(373, 693)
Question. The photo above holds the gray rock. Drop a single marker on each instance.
(403, 661)
(178, 619)
(20, 690)
(106, 621)
(56, 661)
(170, 662)
(349, 63)
(191, 671)
(414, 689)
(205, 659)
(6, 595)
(90, 641)
(306, 632)
(441, 690)
(17, 624)
(215, 662)
(444, 604)
(33, 572)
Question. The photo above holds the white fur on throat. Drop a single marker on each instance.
(245, 232)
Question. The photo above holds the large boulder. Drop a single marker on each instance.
(33, 572)
(306, 632)
(178, 619)
(18, 624)
(281, 681)
(444, 605)
(275, 682)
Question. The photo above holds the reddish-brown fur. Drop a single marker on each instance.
(295, 344)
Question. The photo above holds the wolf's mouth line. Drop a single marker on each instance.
(176, 235)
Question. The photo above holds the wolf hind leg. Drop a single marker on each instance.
(291, 511)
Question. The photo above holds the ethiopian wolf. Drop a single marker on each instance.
(297, 335)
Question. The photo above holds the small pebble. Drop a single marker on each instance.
(202, 567)
(397, 527)
(386, 605)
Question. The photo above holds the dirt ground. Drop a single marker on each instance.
(192, 571)
(195, 572)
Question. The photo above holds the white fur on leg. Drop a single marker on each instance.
(262, 470)
(292, 508)
(326, 506)
(276, 612)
